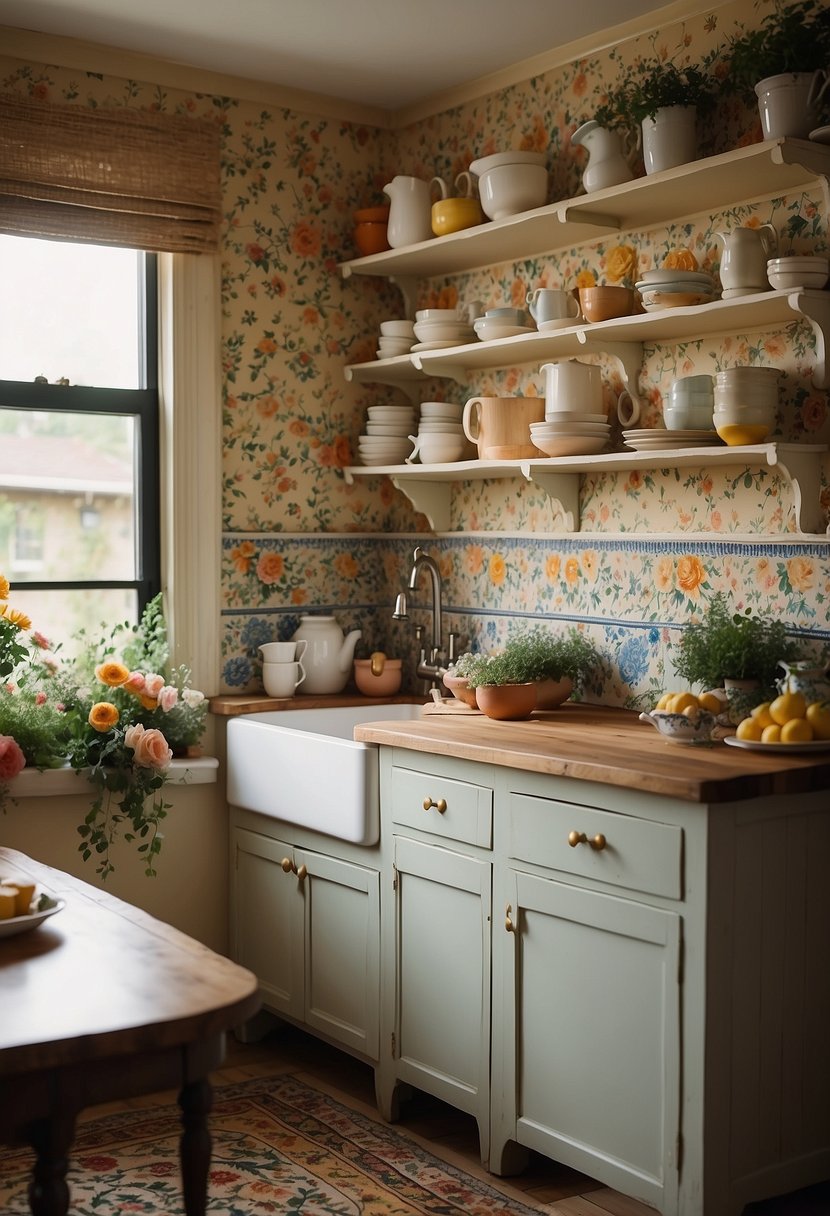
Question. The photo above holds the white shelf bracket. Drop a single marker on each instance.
(444, 371)
(804, 474)
(413, 389)
(561, 488)
(817, 312)
(408, 287)
(431, 498)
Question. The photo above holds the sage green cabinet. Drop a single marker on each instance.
(308, 925)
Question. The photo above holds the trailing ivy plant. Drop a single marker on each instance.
(788, 38)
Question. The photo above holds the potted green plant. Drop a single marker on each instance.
(536, 669)
(726, 647)
(782, 63)
(663, 100)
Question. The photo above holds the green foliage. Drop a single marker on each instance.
(529, 655)
(789, 38)
(727, 645)
(650, 84)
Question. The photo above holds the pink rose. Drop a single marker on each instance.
(168, 697)
(132, 735)
(153, 684)
(151, 750)
(12, 760)
(134, 682)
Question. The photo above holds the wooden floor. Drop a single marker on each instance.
(452, 1135)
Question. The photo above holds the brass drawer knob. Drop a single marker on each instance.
(508, 923)
(597, 842)
(440, 805)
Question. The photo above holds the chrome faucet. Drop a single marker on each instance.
(431, 665)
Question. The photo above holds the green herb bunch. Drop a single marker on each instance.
(727, 645)
(535, 654)
(651, 83)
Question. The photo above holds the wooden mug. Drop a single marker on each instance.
(500, 426)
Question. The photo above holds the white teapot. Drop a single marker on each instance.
(328, 655)
(743, 267)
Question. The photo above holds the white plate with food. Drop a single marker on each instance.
(753, 745)
(30, 920)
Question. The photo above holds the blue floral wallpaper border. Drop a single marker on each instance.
(630, 595)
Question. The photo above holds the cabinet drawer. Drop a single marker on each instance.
(637, 854)
(443, 806)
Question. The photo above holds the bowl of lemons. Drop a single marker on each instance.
(788, 721)
(690, 718)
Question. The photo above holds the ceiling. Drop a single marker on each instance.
(383, 53)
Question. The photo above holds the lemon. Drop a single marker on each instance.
(663, 703)
(762, 714)
(751, 729)
(788, 706)
(682, 701)
(771, 734)
(818, 715)
(797, 730)
(711, 702)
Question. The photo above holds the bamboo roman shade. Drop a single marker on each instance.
(109, 176)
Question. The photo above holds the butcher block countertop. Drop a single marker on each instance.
(610, 746)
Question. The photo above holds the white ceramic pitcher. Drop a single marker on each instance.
(743, 267)
(410, 211)
(607, 165)
(329, 655)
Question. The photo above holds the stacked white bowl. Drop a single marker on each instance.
(386, 439)
(675, 289)
(690, 404)
(510, 182)
(789, 273)
(746, 402)
(570, 433)
(440, 438)
(396, 338)
(438, 327)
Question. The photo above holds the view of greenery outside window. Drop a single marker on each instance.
(79, 418)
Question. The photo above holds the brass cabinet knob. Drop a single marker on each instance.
(287, 865)
(302, 873)
(440, 805)
(508, 923)
(597, 842)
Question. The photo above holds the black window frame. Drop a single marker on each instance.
(141, 403)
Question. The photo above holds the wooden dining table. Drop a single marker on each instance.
(102, 1002)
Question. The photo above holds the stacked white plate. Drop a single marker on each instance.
(651, 439)
(386, 439)
(566, 433)
(675, 289)
(436, 328)
(396, 338)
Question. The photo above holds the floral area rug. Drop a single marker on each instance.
(279, 1146)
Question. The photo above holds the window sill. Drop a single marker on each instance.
(34, 783)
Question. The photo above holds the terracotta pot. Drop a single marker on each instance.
(506, 701)
(461, 690)
(551, 693)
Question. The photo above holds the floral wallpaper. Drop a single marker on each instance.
(653, 546)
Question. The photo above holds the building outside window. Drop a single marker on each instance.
(79, 422)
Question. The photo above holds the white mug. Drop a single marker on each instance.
(283, 652)
(282, 679)
(573, 387)
(549, 304)
(628, 409)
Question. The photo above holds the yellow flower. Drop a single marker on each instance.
(4, 587)
(586, 278)
(103, 716)
(497, 570)
(15, 617)
(680, 259)
(621, 263)
(112, 674)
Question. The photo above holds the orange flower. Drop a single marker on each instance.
(552, 567)
(4, 587)
(474, 559)
(590, 564)
(690, 575)
(621, 263)
(346, 566)
(497, 569)
(270, 567)
(103, 716)
(242, 555)
(586, 278)
(15, 617)
(305, 241)
(664, 574)
(266, 346)
(112, 674)
(801, 573)
(680, 259)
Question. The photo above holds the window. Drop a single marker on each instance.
(79, 431)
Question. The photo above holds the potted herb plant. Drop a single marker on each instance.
(782, 63)
(536, 669)
(726, 649)
(662, 99)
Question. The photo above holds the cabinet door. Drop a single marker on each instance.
(341, 907)
(442, 1015)
(593, 1034)
(267, 920)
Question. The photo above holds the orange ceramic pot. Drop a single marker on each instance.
(461, 690)
(378, 676)
(506, 701)
(370, 230)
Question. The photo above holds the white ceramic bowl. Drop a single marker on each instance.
(786, 274)
(747, 375)
(680, 729)
(386, 428)
(687, 417)
(498, 159)
(443, 331)
(555, 427)
(570, 416)
(441, 409)
(570, 445)
(439, 314)
(389, 413)
(439, 426)
(397, 329)
(440, 449)
(688, 385)
(512, 188)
